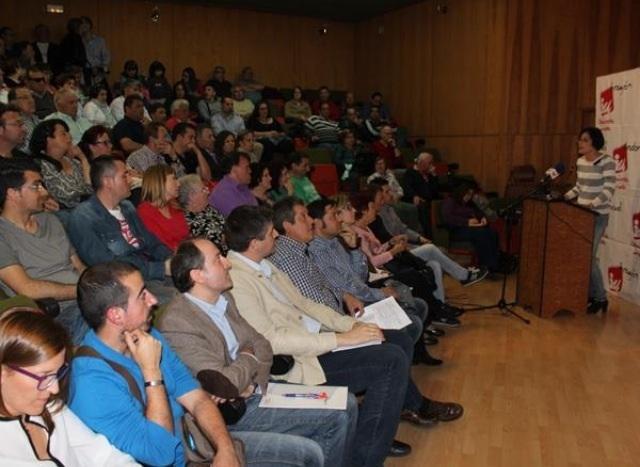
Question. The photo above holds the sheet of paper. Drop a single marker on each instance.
(387, 314)
(378, 275)
(357, 346)
(299, 396)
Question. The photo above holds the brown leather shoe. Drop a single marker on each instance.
(417, 419)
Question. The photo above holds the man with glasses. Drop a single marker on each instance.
(12, 132)
(36, 257)
(37, 84)
(22, 98)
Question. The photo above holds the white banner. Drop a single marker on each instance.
(618, 116)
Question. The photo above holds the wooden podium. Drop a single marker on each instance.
(555, 257)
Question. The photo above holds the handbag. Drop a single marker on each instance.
(198, 450)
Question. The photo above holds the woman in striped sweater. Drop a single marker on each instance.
(594, 189)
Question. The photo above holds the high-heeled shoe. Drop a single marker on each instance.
(597, 305)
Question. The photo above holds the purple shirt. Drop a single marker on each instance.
(229, 194)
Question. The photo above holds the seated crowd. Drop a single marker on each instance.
(193, 261)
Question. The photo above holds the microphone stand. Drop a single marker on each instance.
(509, 213)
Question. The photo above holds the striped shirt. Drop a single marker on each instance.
(325, 130)
(595, 184)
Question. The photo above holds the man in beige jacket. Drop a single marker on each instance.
(204, 327)
(311, 332)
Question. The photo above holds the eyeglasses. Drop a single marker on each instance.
(37, 186)
(45, 381)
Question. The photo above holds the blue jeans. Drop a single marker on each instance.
(596, 285)
(382, 372)
(333, 430)
(417, 313)
(72, 320)
(277, 450)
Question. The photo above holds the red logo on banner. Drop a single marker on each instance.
(615, 278)
(606, 101)
(620, 156)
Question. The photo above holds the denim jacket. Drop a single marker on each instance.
(96, 235)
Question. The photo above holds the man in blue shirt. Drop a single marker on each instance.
(116, 304)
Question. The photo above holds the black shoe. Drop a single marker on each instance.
(442, 411)
(418, 418)
(429, 340)
(453, 311)
(435, 332)
(399, 449)
(598, 305)
(446, 322)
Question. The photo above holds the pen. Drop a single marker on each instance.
(311, 395)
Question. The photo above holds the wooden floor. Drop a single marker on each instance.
(559, 392)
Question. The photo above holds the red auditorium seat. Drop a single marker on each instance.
(325, 179)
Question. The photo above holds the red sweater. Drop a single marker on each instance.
(388, 153)
(170, 231)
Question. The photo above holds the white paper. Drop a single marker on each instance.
(387, 314)
(378, 275)
(357, 346)
(306, 397)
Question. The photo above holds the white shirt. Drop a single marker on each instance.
(98, 114)
(71, 443)
(117, 109)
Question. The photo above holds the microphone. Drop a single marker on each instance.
(553, 173)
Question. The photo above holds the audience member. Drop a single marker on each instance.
(210, 104)
(226, 120)
(297, 110)
(97, 110)
(36, 258)
(203, 219)
(179, 113)
(224, 145)
(106, 227)
(157, 113)
(242, 106)
(233, 190)
(188, 153)
(206, 143)
(98, 55)
(13, 72)
(192, 86)
(323, 130)
(269, 133)
(387, 149)
(128, 133)
(220, 84)
(205, 328)
(382, 171)
(249, 146)
(130, 72)
(72, 50)
(345, 158)
(420, 186)
(12, 132)
(37, 83)
(157, 145)
(303, 188)
(260, 183)
(281, 185)
(251, 87)
(65, 168)
(376, 101)
(159, 88)
(129, 88)
(466, 222)
(122, 346)
(324, 97)
(25, 55)
(46, 52)
(96, 142)
(373, 125)
(36, 422)
(352, 121)
(66, 102)
(159, 210)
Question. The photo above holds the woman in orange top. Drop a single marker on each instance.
(159, 209)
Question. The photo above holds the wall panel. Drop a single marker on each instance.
(283, 50)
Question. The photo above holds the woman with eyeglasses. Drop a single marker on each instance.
(96, 142)
(65, 168)
(203, 219)
(36, 426)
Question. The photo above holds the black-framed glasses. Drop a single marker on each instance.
(44, 381)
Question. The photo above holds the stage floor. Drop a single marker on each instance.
(559, 392)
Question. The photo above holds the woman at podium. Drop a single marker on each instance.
(594, 189)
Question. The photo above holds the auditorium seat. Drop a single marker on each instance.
(325, 179)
